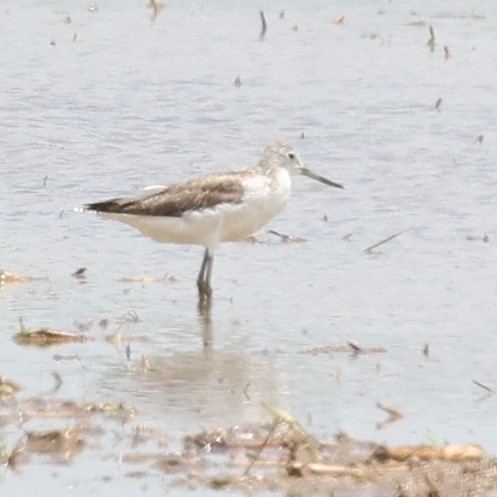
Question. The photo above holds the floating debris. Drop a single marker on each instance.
(129, 317)
(103, 323)
(238, 82)
(451, 15)
(115, 339)
(474, 238)
(143, 434)
(8, 387)
(431, 42)
(385, 240)
(287, 238)
(80, 273)
(416, 23)
(16, 456)
(46, 337)
(9, 278)
(338, 20)
(66, 357)
(479, 139)
(282, 14)
(65, 443)
(83, 325)
(145, 280)
(263, 25)
(393, 415)
(60, 444)
(278, 457)
(285, 446)
(454, 453)
(57, 381)
(349, 348)
(144, 364)
(485, 387)
(438, 103)
(67, 20)
(447, 52)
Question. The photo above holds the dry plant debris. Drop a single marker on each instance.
(144, 280)
(46, 337)
(279, 456)
(10, 278)
(8, 387)
(347, 348)
(287, 238)
(393, 415)
(385, 240)
(282, 456)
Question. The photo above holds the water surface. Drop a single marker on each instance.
(131, 103)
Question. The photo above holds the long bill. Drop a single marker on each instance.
(310, 174)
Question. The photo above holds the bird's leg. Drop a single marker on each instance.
(204, 280)
(208, 273)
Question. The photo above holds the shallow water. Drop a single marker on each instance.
(132, 103)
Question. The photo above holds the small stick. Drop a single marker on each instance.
(381, 242)
(355, 348)
(276, 422)
(393, 414)
(481, 385)
(245, 391)
(264, 25)
(58, 381)
(431, 42)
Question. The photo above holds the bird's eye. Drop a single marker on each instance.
(291, 155)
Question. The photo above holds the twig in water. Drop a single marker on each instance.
(287, 238)
(354, 347)
(381, 242)
(245, 391)
(276, 422)
(431, 42)
(393, 415)
(481, 385)
(264, 25)
(58, 381)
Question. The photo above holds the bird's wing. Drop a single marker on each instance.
(177, 199)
